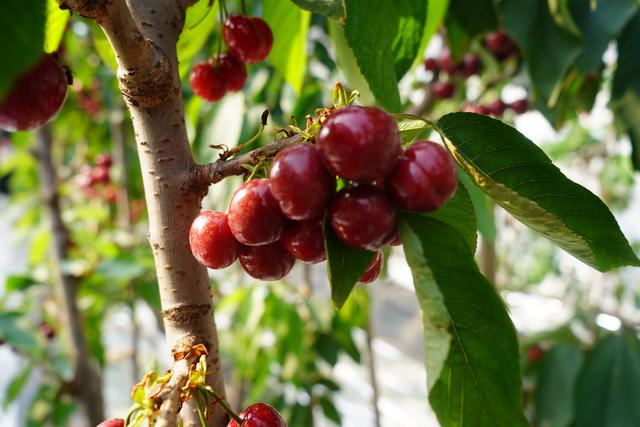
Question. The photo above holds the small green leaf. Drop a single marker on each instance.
(290, 26)
(199, 23)
(458, 213)
(333, 9)
(16, 385)
(411, 128)
(477, 381)
(562, 15)
(17, 335)
(557, 375)
(411, 21)
(345, 265)
(608, 389)
(436, 11)
(56, 22)
(121, 269)
(521, 178)
(329, 409)
(19, 283)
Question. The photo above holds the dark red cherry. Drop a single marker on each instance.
(207, 82)
(395, 239)
(47, 330)
(373, 269)
(496, 108)
(259, 415)
(267, 262)
(35, 97)
(211, 240)
(478, 109)
(233, 72)
(447, 63)
(520, 106)
(305, 240)
(254, 214)
(443, 90)
(424, 179)
(104, 160)
(112, 422)
(471, 64)
(500, 44)
(363, 217)
(360, 143)
(432, 64)
(100, 174)
(248, 38)
(300, 182)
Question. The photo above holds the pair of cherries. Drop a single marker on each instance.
(248, 40)
(271, 222)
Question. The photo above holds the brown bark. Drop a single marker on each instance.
(86, 382)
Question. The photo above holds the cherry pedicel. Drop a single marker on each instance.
(360, 143)
(35, 97)
(248, 38)
(254, 214)
(266, 262)
(259, 415)
(112, 422)
(373, 269)
(211, 240)
(363, 217)
(233, 72)
(424, 179)
(305, 240)
(207, 82)
(300, 182)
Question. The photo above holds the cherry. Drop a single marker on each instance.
(478, 109)
(259, 415)
(35, 97)
(211, 241)
(424, 179)
(363, 217)
(207, 82)
(267, 262)
(254, 215)
(471, 64)
(305, 241)
(447, 64)
(300, 182)
(234, 72)
(443, 90)
(112, 422)
(360, 143)
(104, 160)
(373, 269)
(248, 38)
(100, 174)
(500, 44)
(46, 330)
(534, 354)
(432, 64)
(496, 108)
(395, 240)
(520, 106)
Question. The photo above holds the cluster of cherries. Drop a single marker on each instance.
(256, 415)
(96, 181)
(498, 107)
(248, 40)
(273, 221)
(36, 96)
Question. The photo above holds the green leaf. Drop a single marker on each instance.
(16, 335)
(371, 27)
(290, 26)
(477, 381)
(436, 11)
(520, 177)
(333, 9)
(562, 15)
(345, 265)
(483, 208)
(608, 389)
(557, 375)
(410, 128)
(199, 23)
(473, 17)
(19, 283)
(121, 269)
(406, 44)
(16, 385)
(56, 22)
(458, 213)
(599, 26)
(22, 23)
(549, 49)
(625, 94)
(329, 409)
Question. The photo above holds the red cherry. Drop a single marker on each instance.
(360, 143)
(395, 240)
(259, 415)
(207, 82)
(471, 64)
(35, 97)
(248, 38)
(447, 64)
(373, 269)
(500, 44)
(496, 108)
(520, 106)
(478, 109)
(267, 262)
(104, 160)
(534, 354)
(363, 217)
(443, 90)
(47, 330)
(254, 215)
(211, 241)
(113, 422)
(100, 174)
(266, 36)
(233, 72)
(432, 64)
(424, 179)
(300, 182)
(305, 241)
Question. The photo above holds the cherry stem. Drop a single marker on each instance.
(221, 24)
(203, 419)
(244, 8)
(225, 405)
